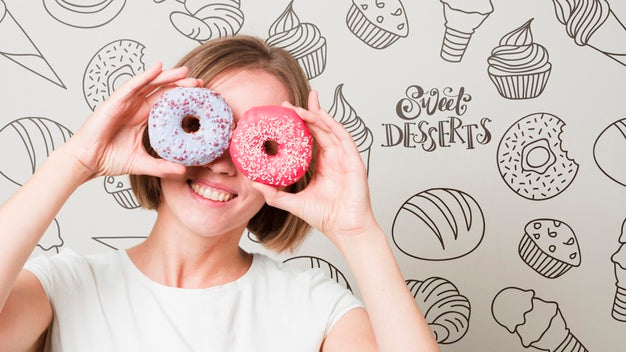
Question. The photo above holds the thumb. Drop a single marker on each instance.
(158, 167)
(279, 199)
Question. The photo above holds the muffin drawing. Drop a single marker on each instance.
(549, 247)
(518, 67)
(84, 14)
(204, 20)
(462, 19)
(119, 188)
(619, 261)
(343, 112)
(377, 23)
(303, 40)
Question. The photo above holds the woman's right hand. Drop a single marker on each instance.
(110, 141)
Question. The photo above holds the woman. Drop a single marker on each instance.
(189, 286)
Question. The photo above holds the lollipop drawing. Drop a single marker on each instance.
(311, 262)
(18, 47)
(538, 323)
(619, 260)
(343, 112)
(462, 17)
(84, 14)
(592, 23)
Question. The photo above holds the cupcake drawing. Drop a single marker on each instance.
(462, 19)
(343, 112)
(518, 67)
(377, 23)
(303, 40)
(119, 188)
(208, 19)
(619, 261)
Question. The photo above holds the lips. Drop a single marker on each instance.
(210, 193)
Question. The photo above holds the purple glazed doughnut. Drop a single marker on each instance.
(190, 126)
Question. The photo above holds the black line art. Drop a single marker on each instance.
(252, 237)
(119, 242)
(593, 23)
(111, 66)
(462, 19)
(30, 140)
(378, 23)
(531, 159)
(119, 188)
(609, 151)
(446, 311)
(204, 20)
(84, 14)
(619, 261)
(343, 112)
(51, 239)
(19, 48)
(438, 224)
(310, 262)
(538, 323)
(549, 247)
(303, 40)
(518, 67)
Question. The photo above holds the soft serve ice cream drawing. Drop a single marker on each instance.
(462, 19)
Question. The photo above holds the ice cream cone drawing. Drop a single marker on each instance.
(619, 260)
(119, 242)
(84, 14)
(462, 18)
(343, 112)
(18, 47)
(536, 322)
(593, 23)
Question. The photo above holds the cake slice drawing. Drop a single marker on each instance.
(462, 18)
(19, 48)
(594, 24)
(619, 261)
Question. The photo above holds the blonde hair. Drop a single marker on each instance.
(275, 228)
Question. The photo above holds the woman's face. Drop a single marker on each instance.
(215, 199)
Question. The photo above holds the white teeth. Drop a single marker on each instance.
(210, 193)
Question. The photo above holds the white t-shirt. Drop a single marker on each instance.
(104, 303)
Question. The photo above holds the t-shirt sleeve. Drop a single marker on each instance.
(330, 299)
(58, 274)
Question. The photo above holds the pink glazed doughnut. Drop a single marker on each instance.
(190, 126)
(271, 145)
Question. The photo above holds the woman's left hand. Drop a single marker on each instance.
(337, 200)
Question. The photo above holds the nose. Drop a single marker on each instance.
(222, 165)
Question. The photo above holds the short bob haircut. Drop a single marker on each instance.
(275, 228)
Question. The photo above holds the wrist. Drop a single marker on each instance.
(68, 161)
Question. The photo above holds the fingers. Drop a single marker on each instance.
(278, 199)
(148, 165)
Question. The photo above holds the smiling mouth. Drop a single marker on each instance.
(210, 193)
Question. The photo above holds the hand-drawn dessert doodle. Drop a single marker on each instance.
(447, 312)
(19, 48)
(51, 240)
(531, 159)
(377, 23)
(204, 20)
(518, 67)
(619, 260)
(593, 23)
(309, 262)
(84, 14)
(538, 323)
(303, 40)
(609, 151)
(462, 18)
(31, 140)
(119, 242)
(549, 247)
(119, 188)
(438, 224)
(111, 66)
(343, 112)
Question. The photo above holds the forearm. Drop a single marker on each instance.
(25, 216)
(396, 319)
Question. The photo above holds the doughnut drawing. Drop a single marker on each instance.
(303, 40)
(609, 151)
(84, 14)
(19, 48)
(51, 239)
(619, 261)
(549, 247)
(594, 24)
(531, 160)
(446, 311)
(343, 112)
(119, 242)
(537, 323)
(377, 23)
(438, 224)
(30, 140)
(462, 19)
(119, 188)
(518, 67)
(204, 20)
(309, 262)
(111, 66)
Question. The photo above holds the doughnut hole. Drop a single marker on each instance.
(190, 124)
(270, 147)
